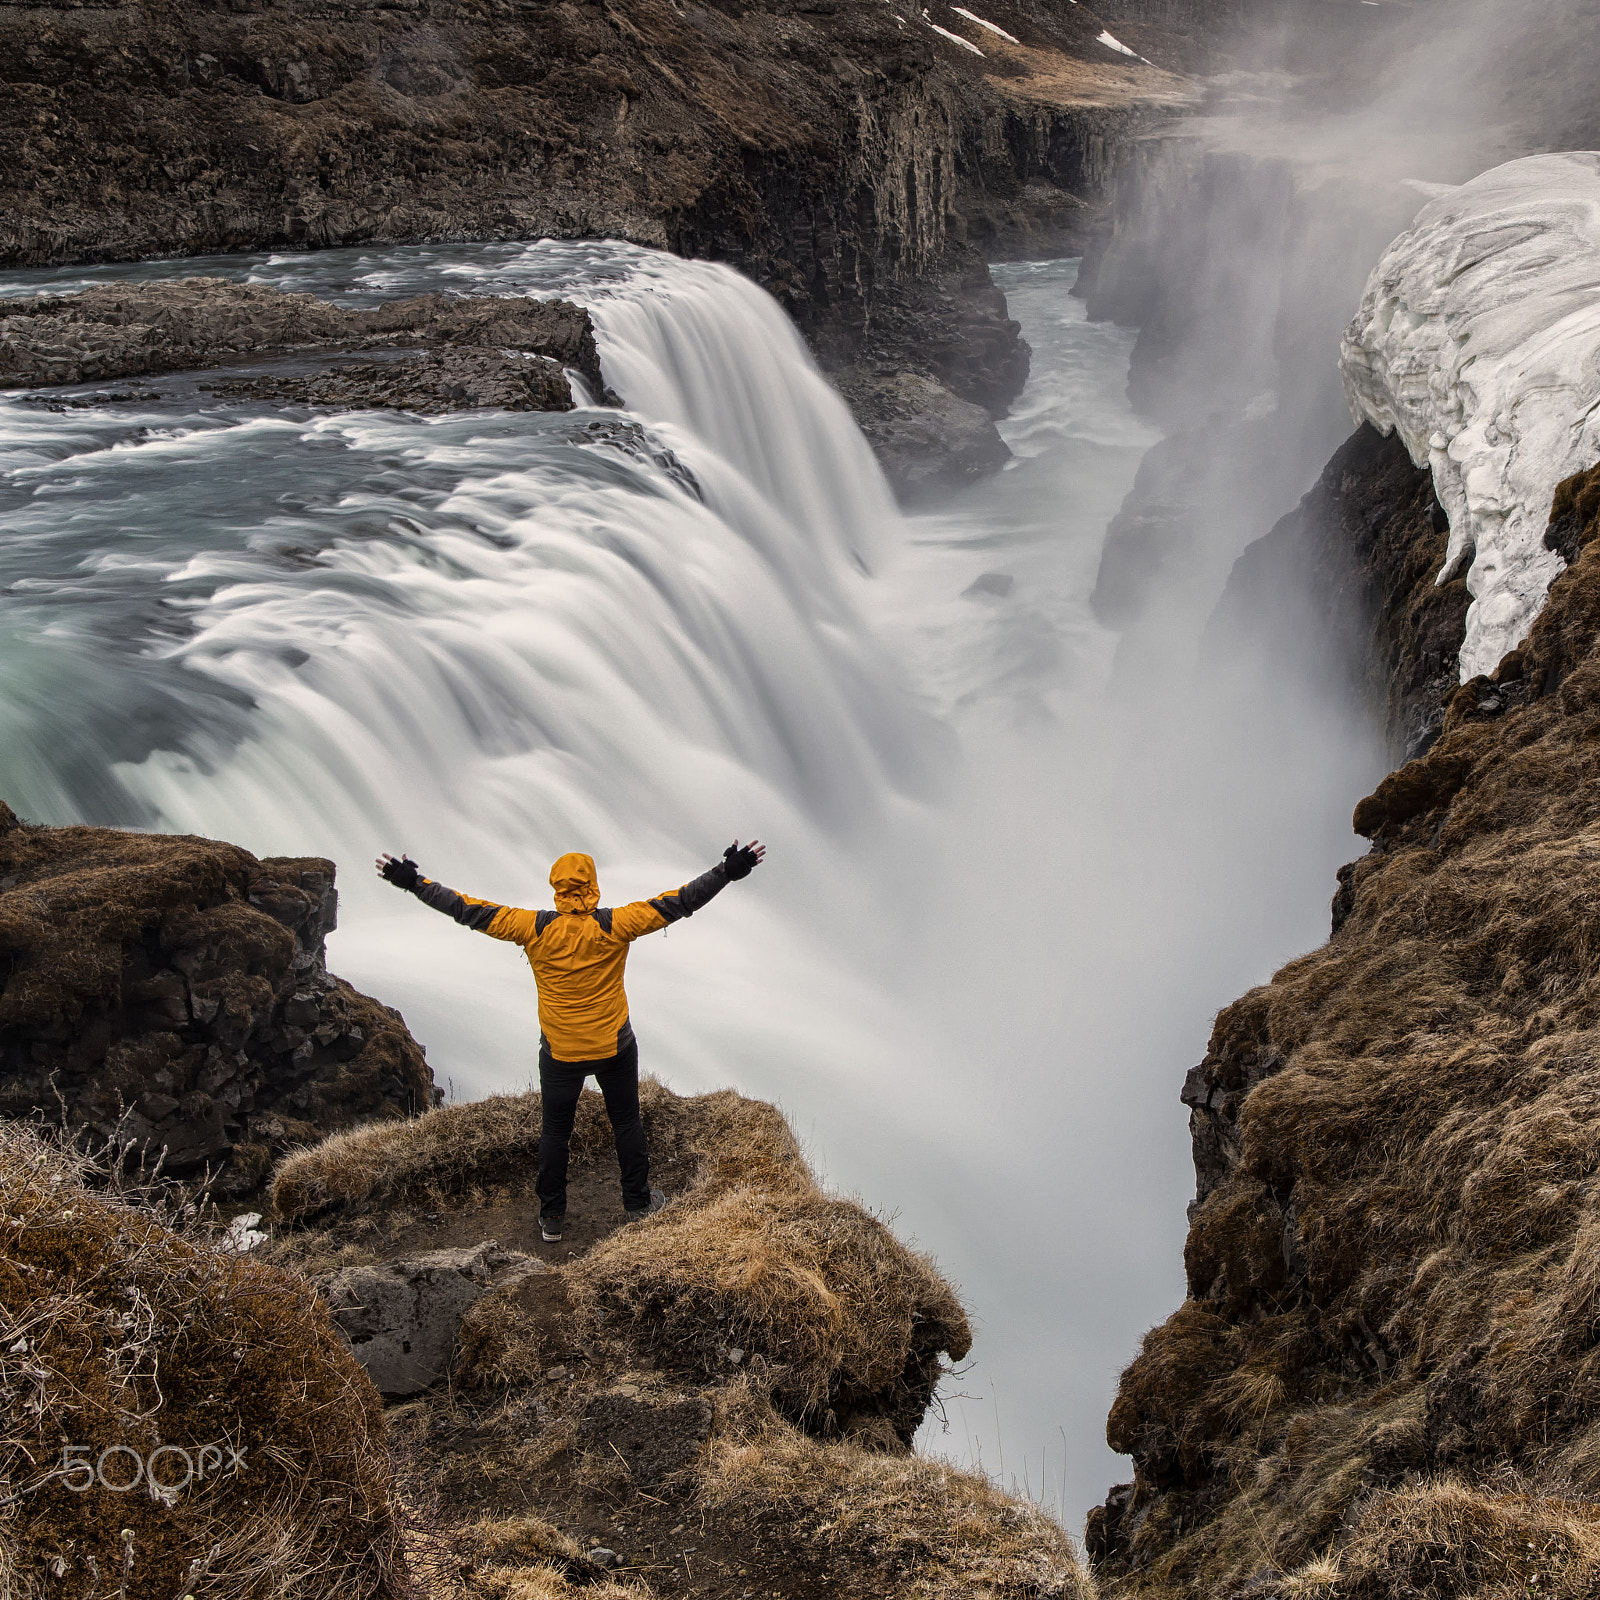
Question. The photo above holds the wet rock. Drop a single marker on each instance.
(1345, 586)
(635, 442)
(926, 438)
(451, 379)
(481, 351)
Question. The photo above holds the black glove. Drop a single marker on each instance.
(402, 874)
(739, 861)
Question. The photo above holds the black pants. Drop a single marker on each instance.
(560, 1084)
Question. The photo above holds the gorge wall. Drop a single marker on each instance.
(1386, 1363)
(1382, 1379)
(856, 159)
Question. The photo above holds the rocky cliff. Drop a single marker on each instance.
(1345, 587)
(855, 158)
(1383, 1381)
(169, 996)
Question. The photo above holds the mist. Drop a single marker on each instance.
(1134, 854)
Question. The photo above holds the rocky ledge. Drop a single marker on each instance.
(169, 996)
(393, 1381)
(443, 354)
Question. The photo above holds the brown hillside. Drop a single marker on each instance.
(1392, 1336)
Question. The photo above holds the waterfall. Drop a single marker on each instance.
(488, 639)
(986, 940)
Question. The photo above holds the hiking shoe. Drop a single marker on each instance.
(657, 1201)
(550, 1229)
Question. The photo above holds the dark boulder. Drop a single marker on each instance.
(171, 993)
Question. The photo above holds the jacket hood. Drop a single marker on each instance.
(576, 885)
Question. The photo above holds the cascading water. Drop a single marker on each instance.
(984, 945)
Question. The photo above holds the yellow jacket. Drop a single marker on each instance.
(577, 951)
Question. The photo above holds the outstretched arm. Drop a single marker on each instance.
(646, 916)
(482, 916)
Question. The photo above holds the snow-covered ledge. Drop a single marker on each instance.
(1478, 339)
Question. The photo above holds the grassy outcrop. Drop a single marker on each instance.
(751, 1255)
(212, 1386)
(724, 1394)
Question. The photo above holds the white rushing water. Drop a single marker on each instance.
(1002, 899)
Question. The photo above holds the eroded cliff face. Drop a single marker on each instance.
(1386, 1377)
(849, 155)
(1345, 587)
(171, 995)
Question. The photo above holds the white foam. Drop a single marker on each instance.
(1478, 340)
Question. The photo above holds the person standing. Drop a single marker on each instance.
(578, 952)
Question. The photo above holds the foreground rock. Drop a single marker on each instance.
(211, 1424)
(172, 994)
(402, 1317)
(716, 1401)
(483, 351)
(1383, 1381)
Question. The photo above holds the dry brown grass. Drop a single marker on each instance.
(116, 1331)
(448, 1151)
(514, 1558)
(752, 1256)
(909, 1526)
(1445, 1539)
(1402, 1262)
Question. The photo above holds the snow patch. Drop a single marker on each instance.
(954, 38)
(993, 27)
(1478, 340)
(1116, 44)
